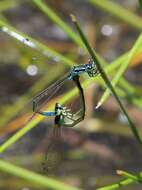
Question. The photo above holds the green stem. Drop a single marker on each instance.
(129, 176)
(119, 12)
(140, 2)
(106, 80)
(27, 40)
(122, 68)
(57, 20)
(124, 182)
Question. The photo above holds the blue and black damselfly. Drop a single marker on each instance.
(55, 149)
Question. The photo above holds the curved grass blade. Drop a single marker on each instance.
(122, 69)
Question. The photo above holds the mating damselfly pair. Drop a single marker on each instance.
(63, 116)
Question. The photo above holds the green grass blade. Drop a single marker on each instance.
(122, 69)
(34, 177)
(129, 176)
(58, 21)
(129, 179)
(4, 5)
(118, 185)
(119, 12)
(127, 86)
(106, 80)
(140, 2)
(27, 40)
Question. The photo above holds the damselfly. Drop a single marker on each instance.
(62, 118)
(89, 68)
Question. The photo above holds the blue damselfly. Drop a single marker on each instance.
(62, 118)
(40, 99)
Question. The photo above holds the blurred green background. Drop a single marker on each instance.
(38, 48)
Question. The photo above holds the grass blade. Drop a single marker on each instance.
(29, 41)
(129, 179)
(119, 12)
(140, 2)
(122, 69)
(58, 21)
(106, 80)
(129, 176)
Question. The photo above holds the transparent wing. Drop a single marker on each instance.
(73, 118)
(54, 154)
(44, 96)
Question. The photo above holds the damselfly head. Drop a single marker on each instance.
(91, 68)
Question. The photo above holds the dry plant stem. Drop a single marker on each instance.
(106, 79)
